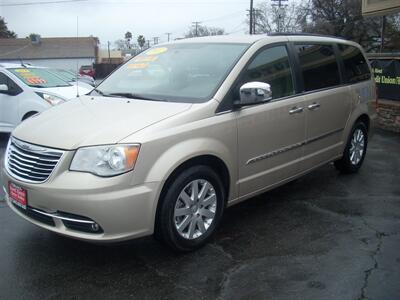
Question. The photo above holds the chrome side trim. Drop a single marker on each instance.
(57, 216)
(275, 152)
(291, 147)
(322, 136)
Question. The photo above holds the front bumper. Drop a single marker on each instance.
(121, 211)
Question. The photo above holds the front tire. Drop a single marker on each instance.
(191, 209)
(356, 148)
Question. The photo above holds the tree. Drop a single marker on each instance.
(340, 18)
(32, 35)
(269, 18)
(141, 41)
(343, 18)
(120, 44)
(204, 31)
(4, 32)
(128, 38)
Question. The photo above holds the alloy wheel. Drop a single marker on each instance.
(357, 146)
(195, 209)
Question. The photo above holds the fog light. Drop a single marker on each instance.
(95, 227)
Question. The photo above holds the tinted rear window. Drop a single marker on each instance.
(355, 65)
(318, 66)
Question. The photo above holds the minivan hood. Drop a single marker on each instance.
(87, 121)
(66, 92)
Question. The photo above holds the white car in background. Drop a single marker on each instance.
(27, 90)
(71, 77)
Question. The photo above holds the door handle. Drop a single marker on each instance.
(314, 106)
(295, 110)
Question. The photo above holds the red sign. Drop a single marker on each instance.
(17, 195)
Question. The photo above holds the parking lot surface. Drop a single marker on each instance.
(324, 236)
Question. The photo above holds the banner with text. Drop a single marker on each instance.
(387, 78)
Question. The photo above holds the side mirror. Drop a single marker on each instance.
(254, 92)
(4, 89)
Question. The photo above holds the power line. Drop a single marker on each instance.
(180, 3)
(16, 50)
(40, 2)
(222, 17)
(236, 28)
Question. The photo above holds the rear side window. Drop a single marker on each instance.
(272, 66)
(355, 65)
(318, 66)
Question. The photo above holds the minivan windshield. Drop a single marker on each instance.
(187, 72)
(37, 77)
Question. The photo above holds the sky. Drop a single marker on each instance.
(110, 19)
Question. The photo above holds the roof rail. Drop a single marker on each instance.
(304, 34)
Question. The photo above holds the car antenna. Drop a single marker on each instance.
(22, 63)
(77, 60)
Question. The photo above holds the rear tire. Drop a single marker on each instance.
(356, 148)
(191, 209)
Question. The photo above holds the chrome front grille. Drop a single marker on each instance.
(30, 163)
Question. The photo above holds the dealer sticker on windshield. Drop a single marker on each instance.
(138, 66)
(149, 58)
(156, 51)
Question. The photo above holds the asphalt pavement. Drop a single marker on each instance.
(324, 236)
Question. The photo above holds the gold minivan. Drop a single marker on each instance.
(183, 130)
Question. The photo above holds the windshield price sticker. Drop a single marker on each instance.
(156, 51)
(145, 58)
(22, 71)
(30, 77)
(138, 66)
(35, 80)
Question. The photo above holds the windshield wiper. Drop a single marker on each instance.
(98, 92)
(133, 96)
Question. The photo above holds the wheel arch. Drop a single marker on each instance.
(365, 119)
(28, 114)
(210, 160)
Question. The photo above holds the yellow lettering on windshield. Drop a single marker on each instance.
(146, 58)
(22, 70)
(156, 51)
(138, 66)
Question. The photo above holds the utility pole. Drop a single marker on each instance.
(255, 15)
(109, 56)
(148, 43)
(383, 26)
(196, 26)
(155, 39)
(280, 11)
(168, 34)
(251, 17)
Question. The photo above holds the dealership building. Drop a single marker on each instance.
(60, 52)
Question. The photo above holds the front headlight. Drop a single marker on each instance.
(51, 99)
(106, 160)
